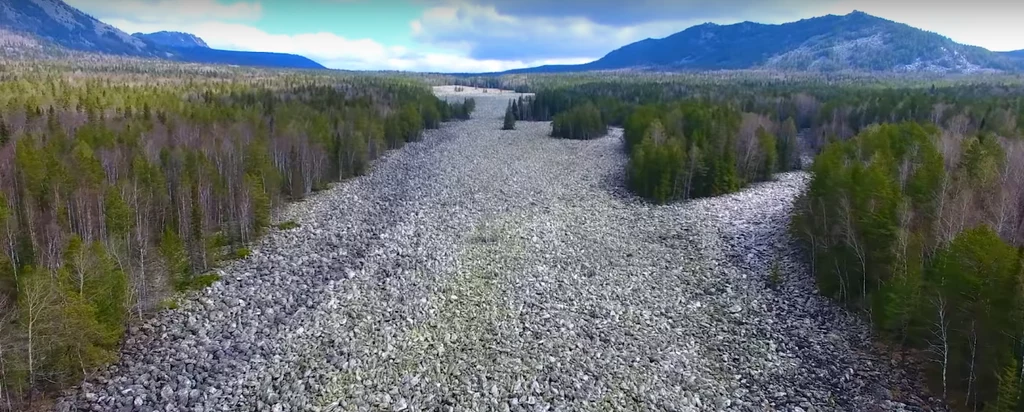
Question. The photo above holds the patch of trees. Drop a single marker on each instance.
(116, 190)
(693, 149)
(581, 122)
(461, 110)
(921, 229)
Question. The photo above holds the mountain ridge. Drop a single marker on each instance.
(172, 39)
(55, 25)
(855, 41)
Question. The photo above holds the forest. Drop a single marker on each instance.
(919, 227)
(914, 217)
(123, 185)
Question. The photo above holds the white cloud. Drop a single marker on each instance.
(171, 10)
(484, 31)
(330, 49)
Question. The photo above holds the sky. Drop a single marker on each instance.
(497, 35)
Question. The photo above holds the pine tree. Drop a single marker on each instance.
(510, 118)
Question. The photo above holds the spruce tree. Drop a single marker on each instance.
(510, 118)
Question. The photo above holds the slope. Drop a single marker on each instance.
(856, 41)
(53, 22)
(172, 39)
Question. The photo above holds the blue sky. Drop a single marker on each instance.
(494, 35)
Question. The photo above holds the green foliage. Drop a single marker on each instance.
(461, 110)
(169, 304)
(686, 149)
(200, 282)
(242, 253)
(581, 122)
(117, 213)
(288, 225)
(510, 116)
(768, 150)
(788, 148)
(175, 257)
(870, 218)
(1008, 395)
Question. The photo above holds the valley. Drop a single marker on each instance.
(482, 269)
(510, 206)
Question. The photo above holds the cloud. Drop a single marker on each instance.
(332, 50)
(171, 10)
(483, 32)
(618, 13)
(536, 29)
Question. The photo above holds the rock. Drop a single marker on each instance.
(487, 270)
(167, 393)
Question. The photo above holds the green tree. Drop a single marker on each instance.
(510, 118)
(766, 145)
(788, 150)
(1009, 390)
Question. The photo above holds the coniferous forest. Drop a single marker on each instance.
(120, 186)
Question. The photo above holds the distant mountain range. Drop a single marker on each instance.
(55, 23)
(856, 41)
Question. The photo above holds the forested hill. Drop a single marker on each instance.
(62, 28)
(856, 41)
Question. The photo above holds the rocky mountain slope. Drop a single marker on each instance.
(856, 41)
(59, 23)
(172, 39)
(55, 26)
(483, 269)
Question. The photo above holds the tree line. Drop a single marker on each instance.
(679, 148)
(119, 189)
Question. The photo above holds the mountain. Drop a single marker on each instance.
(856, 41)
(56, 22)
(244, 58)
(1016, 54)
(172, 39)
(52, 26)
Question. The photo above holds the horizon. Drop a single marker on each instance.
(484, 36)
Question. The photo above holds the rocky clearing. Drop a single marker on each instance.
(484, 269)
